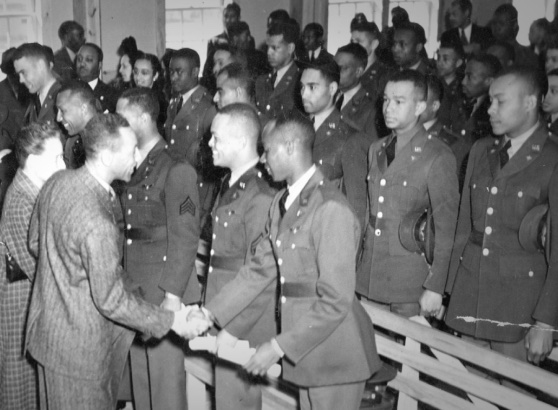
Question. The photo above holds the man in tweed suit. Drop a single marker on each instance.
(81, 313)
(32, 65)
(161, 214)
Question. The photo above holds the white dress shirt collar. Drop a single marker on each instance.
(281, 73)
(237, 173)
(296, 188)
(321, 117)
(93, 83)
(518, 141)
(186, 96)
(348, 95)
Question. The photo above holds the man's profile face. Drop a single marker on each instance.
(278, 51)
(405, 48)
(224, 143)
(87, 64)
(75, 39)
(447, 62)
(457, 17)
(275, 154)
(550, 104)
(31, 72)
(401, 108)
(350, 70)
(507, 110)
(183, 75)
(51, 159)
(230, 17)
(476, 81)
(310, 40)
(551, 61)
(125, 155)
(221, 58)
(366, 40)
(317, 94)
(129, 112)
(226, 92)
(71, 112)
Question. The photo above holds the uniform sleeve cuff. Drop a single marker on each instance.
(277, 348)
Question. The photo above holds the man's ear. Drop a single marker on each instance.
(333, 87)
(291, 48)
(530, 102)
(289, 145)
(196, 72)
(459, 63)
(106, 156)
(420, 107)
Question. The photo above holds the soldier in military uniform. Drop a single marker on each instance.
(234, 85)
(89, 63)
(356, 103)
(161, 215)
(339, 150)
(33, 65)
(431, 122)
(473, 121)
(408, 48)
(493, 278)
(449, 66)
(76, 105)
(550, 104)
(239, 218)
(278, 92)
(187, 129)
(409, 171)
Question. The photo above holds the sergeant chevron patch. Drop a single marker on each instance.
(188, 206)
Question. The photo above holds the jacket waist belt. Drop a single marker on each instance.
(298, 290)
(226, 262)
(155, 233)
(476, 237)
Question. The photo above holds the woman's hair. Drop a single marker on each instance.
(159, 84)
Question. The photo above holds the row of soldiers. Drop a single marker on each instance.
(281, 269)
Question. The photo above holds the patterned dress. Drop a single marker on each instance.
(18, 379)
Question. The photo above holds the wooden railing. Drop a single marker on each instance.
(442, 361)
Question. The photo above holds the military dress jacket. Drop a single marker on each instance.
(340, 152)
(422, 175)
(360, 112)
(326, 335)
(375, 78)
(451, 113)
(239, 219)
(162, 228)
(64, 66)
(477, 125)
(285, 97)
(107, 96)
(491, 276)
(47, 113)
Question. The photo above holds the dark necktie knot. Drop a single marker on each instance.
(225, 184)
(390, 150)
(339, 103)
(464, 40)
(282, 202)
(503, 154)
(180, 102)
(273, 79)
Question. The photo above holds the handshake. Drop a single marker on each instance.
(191, 321)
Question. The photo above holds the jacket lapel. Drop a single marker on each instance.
(410, 153)
(528, 152)
(190, 105)
(285, 81)
(50, 100)
(326, 129)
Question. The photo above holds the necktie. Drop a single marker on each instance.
(464, 40)
(179, 105)
(468, 107)
(311, 56)
(273, 79)
(339, 103)
(225, 185)
(282, 201)
(37, 103)
(503, 154)
(390, 150)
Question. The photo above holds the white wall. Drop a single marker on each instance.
(255, 14)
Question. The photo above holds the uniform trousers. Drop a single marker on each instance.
(340, 396)
(234, 390)
(158, 375)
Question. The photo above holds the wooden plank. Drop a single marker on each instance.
(430, 395)
(405, 401)
(513, 369)
(469, 382)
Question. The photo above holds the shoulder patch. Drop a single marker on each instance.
(188, 206)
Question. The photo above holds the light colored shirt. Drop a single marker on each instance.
(186, 96)
(296, 188)
(518, 141)
(103, 183)
(428, 124)
(467, 30)
(350, 94)
(71, 54)
(281, 73)
(93, 83)
(321, 117)
(237, 173)
(44, 91)
(316, 53)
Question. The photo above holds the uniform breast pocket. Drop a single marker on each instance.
(479, 189)
(301, 246)
(404, 194)
(518, 200)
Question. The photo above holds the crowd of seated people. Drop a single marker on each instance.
(250, 183)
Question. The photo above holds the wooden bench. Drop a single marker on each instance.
(441, 361)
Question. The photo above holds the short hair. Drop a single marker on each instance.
(7, 66)
(236, 72)
(279, 16)
(416, 78)
(188, 54)
(31, 140)
(416, 29)
(68, 26)
(316, 28)
(244, 113)
(507, 47)
(399, 15)
(143, 98)
(435, 87)
(287, 30)
(237, 28)
(357, 51)
(232, 7)
(508, 9)
(97, 49)
(327, 68)
(101, 132)
(360, 23)
(456, 46)
(489, 62)
(82, 90)
(530, 77)
(464, 5)
(33, 50)
(296, 126)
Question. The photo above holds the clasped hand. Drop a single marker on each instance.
(191, 321)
